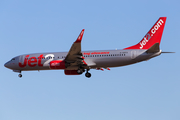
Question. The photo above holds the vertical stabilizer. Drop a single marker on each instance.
(153, 36)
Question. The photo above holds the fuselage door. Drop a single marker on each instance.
(133, 54)
(21, 59)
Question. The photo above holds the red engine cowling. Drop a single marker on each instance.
(57, 64)
(71, 72)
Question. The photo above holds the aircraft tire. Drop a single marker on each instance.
(79, 71)
(20, 75)
(88, 75)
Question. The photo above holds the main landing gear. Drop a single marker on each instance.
(88, 75)
(80, 71)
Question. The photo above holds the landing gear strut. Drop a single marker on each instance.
(88, 75)
(20, 75)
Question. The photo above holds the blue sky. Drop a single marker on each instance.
(145, 91)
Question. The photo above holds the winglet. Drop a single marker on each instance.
(80, 37)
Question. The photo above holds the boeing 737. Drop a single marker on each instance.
(75, 61)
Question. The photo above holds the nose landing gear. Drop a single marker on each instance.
(20, 75)
(18, 71)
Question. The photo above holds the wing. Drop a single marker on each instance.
(74, 57)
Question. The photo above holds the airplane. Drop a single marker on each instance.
(76, 62)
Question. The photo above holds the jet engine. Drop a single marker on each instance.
(71, 72)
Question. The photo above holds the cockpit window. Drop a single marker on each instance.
(13, 59)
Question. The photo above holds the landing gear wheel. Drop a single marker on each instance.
(88, 75)
(79, 71)
(20, 75)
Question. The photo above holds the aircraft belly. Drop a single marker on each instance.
(27, 68)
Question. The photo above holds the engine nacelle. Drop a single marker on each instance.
(71, 72)
(57, 64)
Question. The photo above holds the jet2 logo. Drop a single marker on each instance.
(149, 35)
(157, 26)
(33, 61)
(146, 39)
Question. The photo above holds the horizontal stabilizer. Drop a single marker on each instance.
(167, 52)
(154, 48)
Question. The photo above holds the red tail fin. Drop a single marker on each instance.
(153, 36)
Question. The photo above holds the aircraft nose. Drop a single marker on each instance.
(6, 65)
